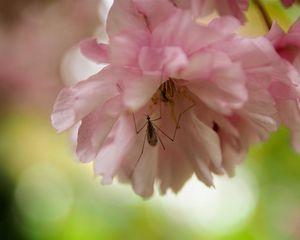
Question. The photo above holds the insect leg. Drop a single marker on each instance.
(177, 124)
(179, 117)
(137, 161)
(136, 130)
(157, 127)
(161, 142)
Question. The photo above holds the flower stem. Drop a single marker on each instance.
(264, 13)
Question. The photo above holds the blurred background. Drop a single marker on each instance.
(46, 194)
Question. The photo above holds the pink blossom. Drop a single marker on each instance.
(286, 89)
(204, 83)
(31, 51)
(287, 44)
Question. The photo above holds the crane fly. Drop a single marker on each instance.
(166, 93)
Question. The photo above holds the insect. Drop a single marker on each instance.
(151, 134)
(167, 91)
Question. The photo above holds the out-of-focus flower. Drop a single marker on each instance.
(287, 44)
(234, 8)
(285, 89)
(32, 47)
(289, 3)
(203, 84)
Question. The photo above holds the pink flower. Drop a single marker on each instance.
(207, 88)
(287, 44)
(234, 8)
(286, 88)
(31, 52)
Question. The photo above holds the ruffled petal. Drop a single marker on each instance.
(225, 24)
(118, 143)
(155, 12)
(95, 127)
(275, 34)
(250, 53)
(181, 30)
(124, 15)
(97, 52)
(169, 59)
(290, 115)
(125, 46)
(208, 141)
(221, 84)
(138, 90)
(74, 103)
(145, 172)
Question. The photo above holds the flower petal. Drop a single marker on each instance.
(155, 12)
(138, 90)
(145, 172)
(124, 15)
(181, 30)
(125, 46)
(73, 103)
(95, 127)
(96, 52)
(118, 143)
(225, 90)
(169, 59)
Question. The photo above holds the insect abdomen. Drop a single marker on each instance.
(151, 134)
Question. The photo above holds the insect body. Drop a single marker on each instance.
(151, 135)
(167, 91)
(151, 132)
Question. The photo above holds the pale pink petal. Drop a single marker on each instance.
(74, 103)
(251, 53)
(290, 115)
(260, 113)
(124, 47)
(114, 150)
(145, 172)
(200, 157)
(275, 34)
(193, 72)
(170, 60)
(208, 142)
(140, 89)
(97, 52)
(225, 24)
(230, 157)
(182, 30)
(280, 90)
(155, 12)
(225, 91)
(261, 124)
(111, 110)
(124, 15)
(173, 169)
(95, 127)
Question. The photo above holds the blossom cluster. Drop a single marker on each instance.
(178, 97)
